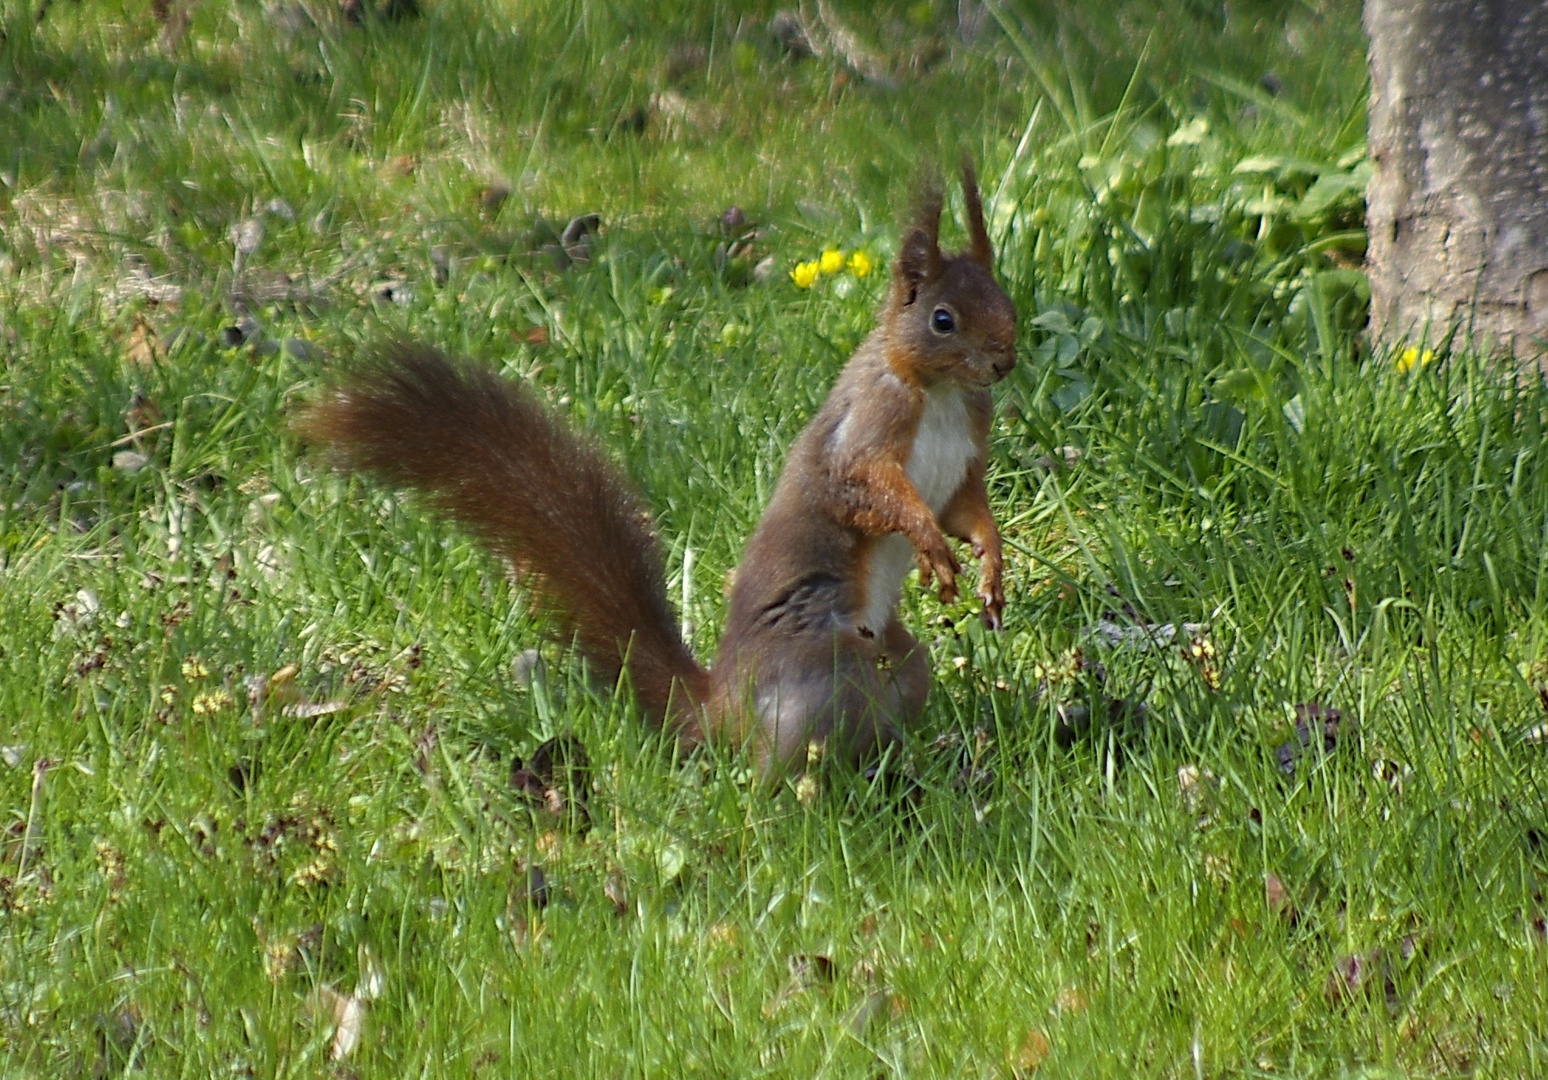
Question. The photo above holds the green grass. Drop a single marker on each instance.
(1178, 199)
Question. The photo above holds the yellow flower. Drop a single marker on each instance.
(211, 701)
(804, 274)
(193, 668)
(860, 264)
(1411, 357)
(806, 790)
(832, 261)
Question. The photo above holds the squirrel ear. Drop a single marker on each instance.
(980, 248)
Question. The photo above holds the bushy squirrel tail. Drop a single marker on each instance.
(485, 453)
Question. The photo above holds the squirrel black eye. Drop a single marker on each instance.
(941, 321)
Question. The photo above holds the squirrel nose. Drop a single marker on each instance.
(1003, 365)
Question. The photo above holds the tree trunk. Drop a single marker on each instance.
(1458, 204)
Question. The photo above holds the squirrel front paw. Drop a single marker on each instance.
(936, 560)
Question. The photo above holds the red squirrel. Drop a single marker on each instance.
(891, 465)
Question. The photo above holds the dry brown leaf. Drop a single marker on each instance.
(310, 710)
(617, 895)
(371, 980)
(142, 349)
(1072, 999)
(1359, 973)
(1278, 897)
(807, 971)
(846, 43)
(1030, 1055)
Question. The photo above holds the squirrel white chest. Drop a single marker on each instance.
(937, 464)
(943, 446)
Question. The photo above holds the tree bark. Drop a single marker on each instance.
(1458, 203)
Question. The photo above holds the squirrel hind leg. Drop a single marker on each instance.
(908, 663)
(847, 702)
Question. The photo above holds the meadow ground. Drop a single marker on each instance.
(259, 722)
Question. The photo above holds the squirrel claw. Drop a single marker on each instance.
(993, 599)
(944, 573)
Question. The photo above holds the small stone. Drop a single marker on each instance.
(1314, 722)
(244, 331)
(1194, 784)
(537, 887)
(246, 236)
(491, 198)
(527, 666)
(876, 1003)
(789, 32)
(130, 461)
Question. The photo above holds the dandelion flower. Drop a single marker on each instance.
(804, 274)
(860, 264)
(1412, 357)
(831, 261)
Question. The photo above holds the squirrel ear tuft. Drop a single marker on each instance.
(979, 247)
(919, 252)
(919, 261)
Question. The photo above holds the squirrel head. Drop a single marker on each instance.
(946, 316)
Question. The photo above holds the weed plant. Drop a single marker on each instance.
(258, 722)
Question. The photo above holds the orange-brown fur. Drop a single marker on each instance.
(800, 658)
